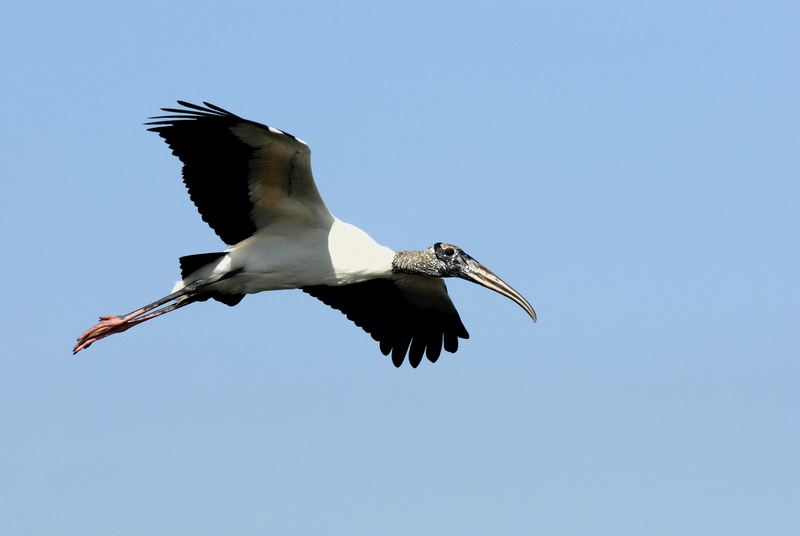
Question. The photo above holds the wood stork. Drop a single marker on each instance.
(253, 185)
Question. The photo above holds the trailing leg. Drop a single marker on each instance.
(109, 325)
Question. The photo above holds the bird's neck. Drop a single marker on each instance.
(415, 262)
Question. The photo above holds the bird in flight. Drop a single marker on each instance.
(253, 185)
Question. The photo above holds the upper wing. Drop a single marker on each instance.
(241, 175)
(408, 311)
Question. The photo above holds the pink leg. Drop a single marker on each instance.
(109, 325)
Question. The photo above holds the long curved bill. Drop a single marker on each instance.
(478, 273)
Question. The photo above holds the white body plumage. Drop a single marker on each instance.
(283, 256)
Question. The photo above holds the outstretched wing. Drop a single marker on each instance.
(410, 314)
(241, 175)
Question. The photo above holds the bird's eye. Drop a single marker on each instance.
(449, 252)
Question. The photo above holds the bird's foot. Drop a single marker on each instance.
(108, 325)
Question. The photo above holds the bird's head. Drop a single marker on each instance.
(447, 260)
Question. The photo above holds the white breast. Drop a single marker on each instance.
(355, 255)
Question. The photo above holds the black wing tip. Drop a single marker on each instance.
(189, 112)
(196, 112)
(416, 348)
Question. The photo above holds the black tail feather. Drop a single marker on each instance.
(192, 263)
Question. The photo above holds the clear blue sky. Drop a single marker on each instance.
(632, 171)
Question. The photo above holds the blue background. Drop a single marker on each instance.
(631, 170)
